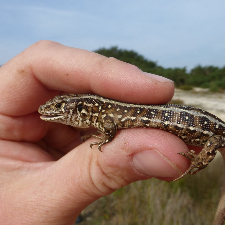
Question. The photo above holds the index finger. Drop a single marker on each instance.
(47, 68)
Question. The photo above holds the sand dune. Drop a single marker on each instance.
(212, 102)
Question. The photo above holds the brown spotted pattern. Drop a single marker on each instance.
(193, 125)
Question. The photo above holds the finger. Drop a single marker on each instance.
(46, 68)
(84, 175)
(134, 155)
(22, 152)
(22, 128)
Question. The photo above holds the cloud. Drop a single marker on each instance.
(175, 33)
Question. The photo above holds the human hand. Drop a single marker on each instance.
(47, 175)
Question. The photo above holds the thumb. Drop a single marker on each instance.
(84, 174)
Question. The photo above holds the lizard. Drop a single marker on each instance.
(194, 126)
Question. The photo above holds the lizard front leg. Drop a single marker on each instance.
(108, 131)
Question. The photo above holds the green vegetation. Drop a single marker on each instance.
(205, 77)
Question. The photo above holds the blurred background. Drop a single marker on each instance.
(172, 33)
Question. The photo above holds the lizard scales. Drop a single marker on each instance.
(193, 125)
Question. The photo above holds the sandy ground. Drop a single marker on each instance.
(212, 102)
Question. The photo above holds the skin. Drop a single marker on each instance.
(47, 175)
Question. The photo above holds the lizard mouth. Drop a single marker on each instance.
(51, 117)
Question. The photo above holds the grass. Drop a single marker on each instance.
(191, 200)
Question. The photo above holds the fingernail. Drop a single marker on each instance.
(158, 78)
(152, 163)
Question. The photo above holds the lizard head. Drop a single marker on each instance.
(54, 109)
(66, 109)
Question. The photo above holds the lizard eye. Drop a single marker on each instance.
(79, 107)
(58, 105)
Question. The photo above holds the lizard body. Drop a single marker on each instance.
(193, 125)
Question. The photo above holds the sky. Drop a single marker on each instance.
(173, 33)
